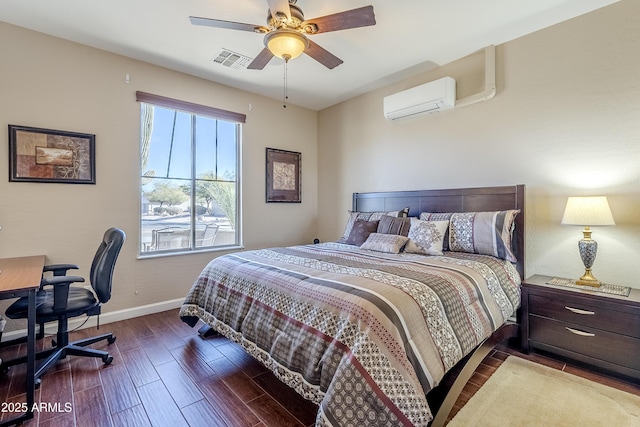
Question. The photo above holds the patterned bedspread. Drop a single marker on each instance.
(363, 334)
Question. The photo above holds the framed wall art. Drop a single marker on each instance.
(46, 155)
(284, 176)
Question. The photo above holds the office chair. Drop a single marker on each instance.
(57, 301)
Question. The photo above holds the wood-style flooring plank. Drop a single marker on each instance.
(243, 386)
(119, 389)
(160, 361)
(301, 408)
(272, 413)
(139, 366)
(202, 413)
(66, 420)
(84, 371)
(90, 405)
(193, 365)
(55, 391)
(234, 411)
(179, 384)
(156, 351)
(202, 347)
(159, 406)
(241, 359)
(298, 406)
(123, 331)
(168, 337)
(135, 416)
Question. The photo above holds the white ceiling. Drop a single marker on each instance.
(410, 36)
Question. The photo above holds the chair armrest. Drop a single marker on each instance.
(59, 269)
(60, 280)
(60, 289)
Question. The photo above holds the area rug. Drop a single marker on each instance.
(523, 393)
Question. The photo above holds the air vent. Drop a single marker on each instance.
(231, 59)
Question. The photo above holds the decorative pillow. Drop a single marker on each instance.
(368, 216)
(389, 243)
(426, 237)
(394, 225)
(487, 233)
(360, 231)
(440, 216)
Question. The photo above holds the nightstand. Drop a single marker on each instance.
(594, 328)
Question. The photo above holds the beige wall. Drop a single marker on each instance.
(565, 121)
(51, 83)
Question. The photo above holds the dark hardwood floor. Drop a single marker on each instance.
(164, 374)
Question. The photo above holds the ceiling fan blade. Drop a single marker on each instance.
(260, 61)
(281, 6)
(217, 23)
(322, 55)
(360, 17)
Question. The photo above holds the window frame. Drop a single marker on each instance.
(210, 112)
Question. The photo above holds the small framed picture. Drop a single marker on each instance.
(46, 155)
(284, 176)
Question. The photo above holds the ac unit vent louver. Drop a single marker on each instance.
(231, 59)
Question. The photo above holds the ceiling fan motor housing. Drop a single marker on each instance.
(280, 20)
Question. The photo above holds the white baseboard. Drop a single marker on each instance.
(114, 316)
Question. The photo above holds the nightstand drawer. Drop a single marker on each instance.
(590, 342)
(579, 312)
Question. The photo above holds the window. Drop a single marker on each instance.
(190, 183)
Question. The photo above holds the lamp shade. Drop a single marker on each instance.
(286, 44)
(587, 211)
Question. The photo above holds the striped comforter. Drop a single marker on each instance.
(363, 334)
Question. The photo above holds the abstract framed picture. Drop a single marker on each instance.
(284, 176)
(47, 155)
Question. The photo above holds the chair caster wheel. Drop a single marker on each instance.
(111, 340)
(107, 359)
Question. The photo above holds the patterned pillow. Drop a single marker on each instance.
(389, 243)
(487, 233)
(440, 216)
(394, 225)
(360, 231)
(367, 216)
(426, 237)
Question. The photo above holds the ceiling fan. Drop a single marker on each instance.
(287, 30)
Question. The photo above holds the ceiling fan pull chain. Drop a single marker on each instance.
(285, 95)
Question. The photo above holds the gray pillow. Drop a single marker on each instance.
(360, 231)
(394, 225)
(367, 216)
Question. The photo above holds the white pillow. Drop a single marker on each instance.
(426, 237)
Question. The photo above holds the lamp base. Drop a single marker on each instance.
(588, 279)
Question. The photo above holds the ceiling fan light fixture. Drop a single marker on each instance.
(286, 44)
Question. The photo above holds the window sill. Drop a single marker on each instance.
(152, 255)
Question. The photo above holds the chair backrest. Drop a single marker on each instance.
(208, 237)
(104, 263)
(170, 238)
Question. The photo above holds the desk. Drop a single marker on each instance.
(21, 277)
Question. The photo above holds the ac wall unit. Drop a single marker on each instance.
(431, 97)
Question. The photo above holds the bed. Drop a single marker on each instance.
(372, 335)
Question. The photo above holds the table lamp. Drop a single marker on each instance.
(587, 211)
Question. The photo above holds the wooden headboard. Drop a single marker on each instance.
(453, 200)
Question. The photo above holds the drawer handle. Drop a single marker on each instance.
(578, 332)
(578, 311)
